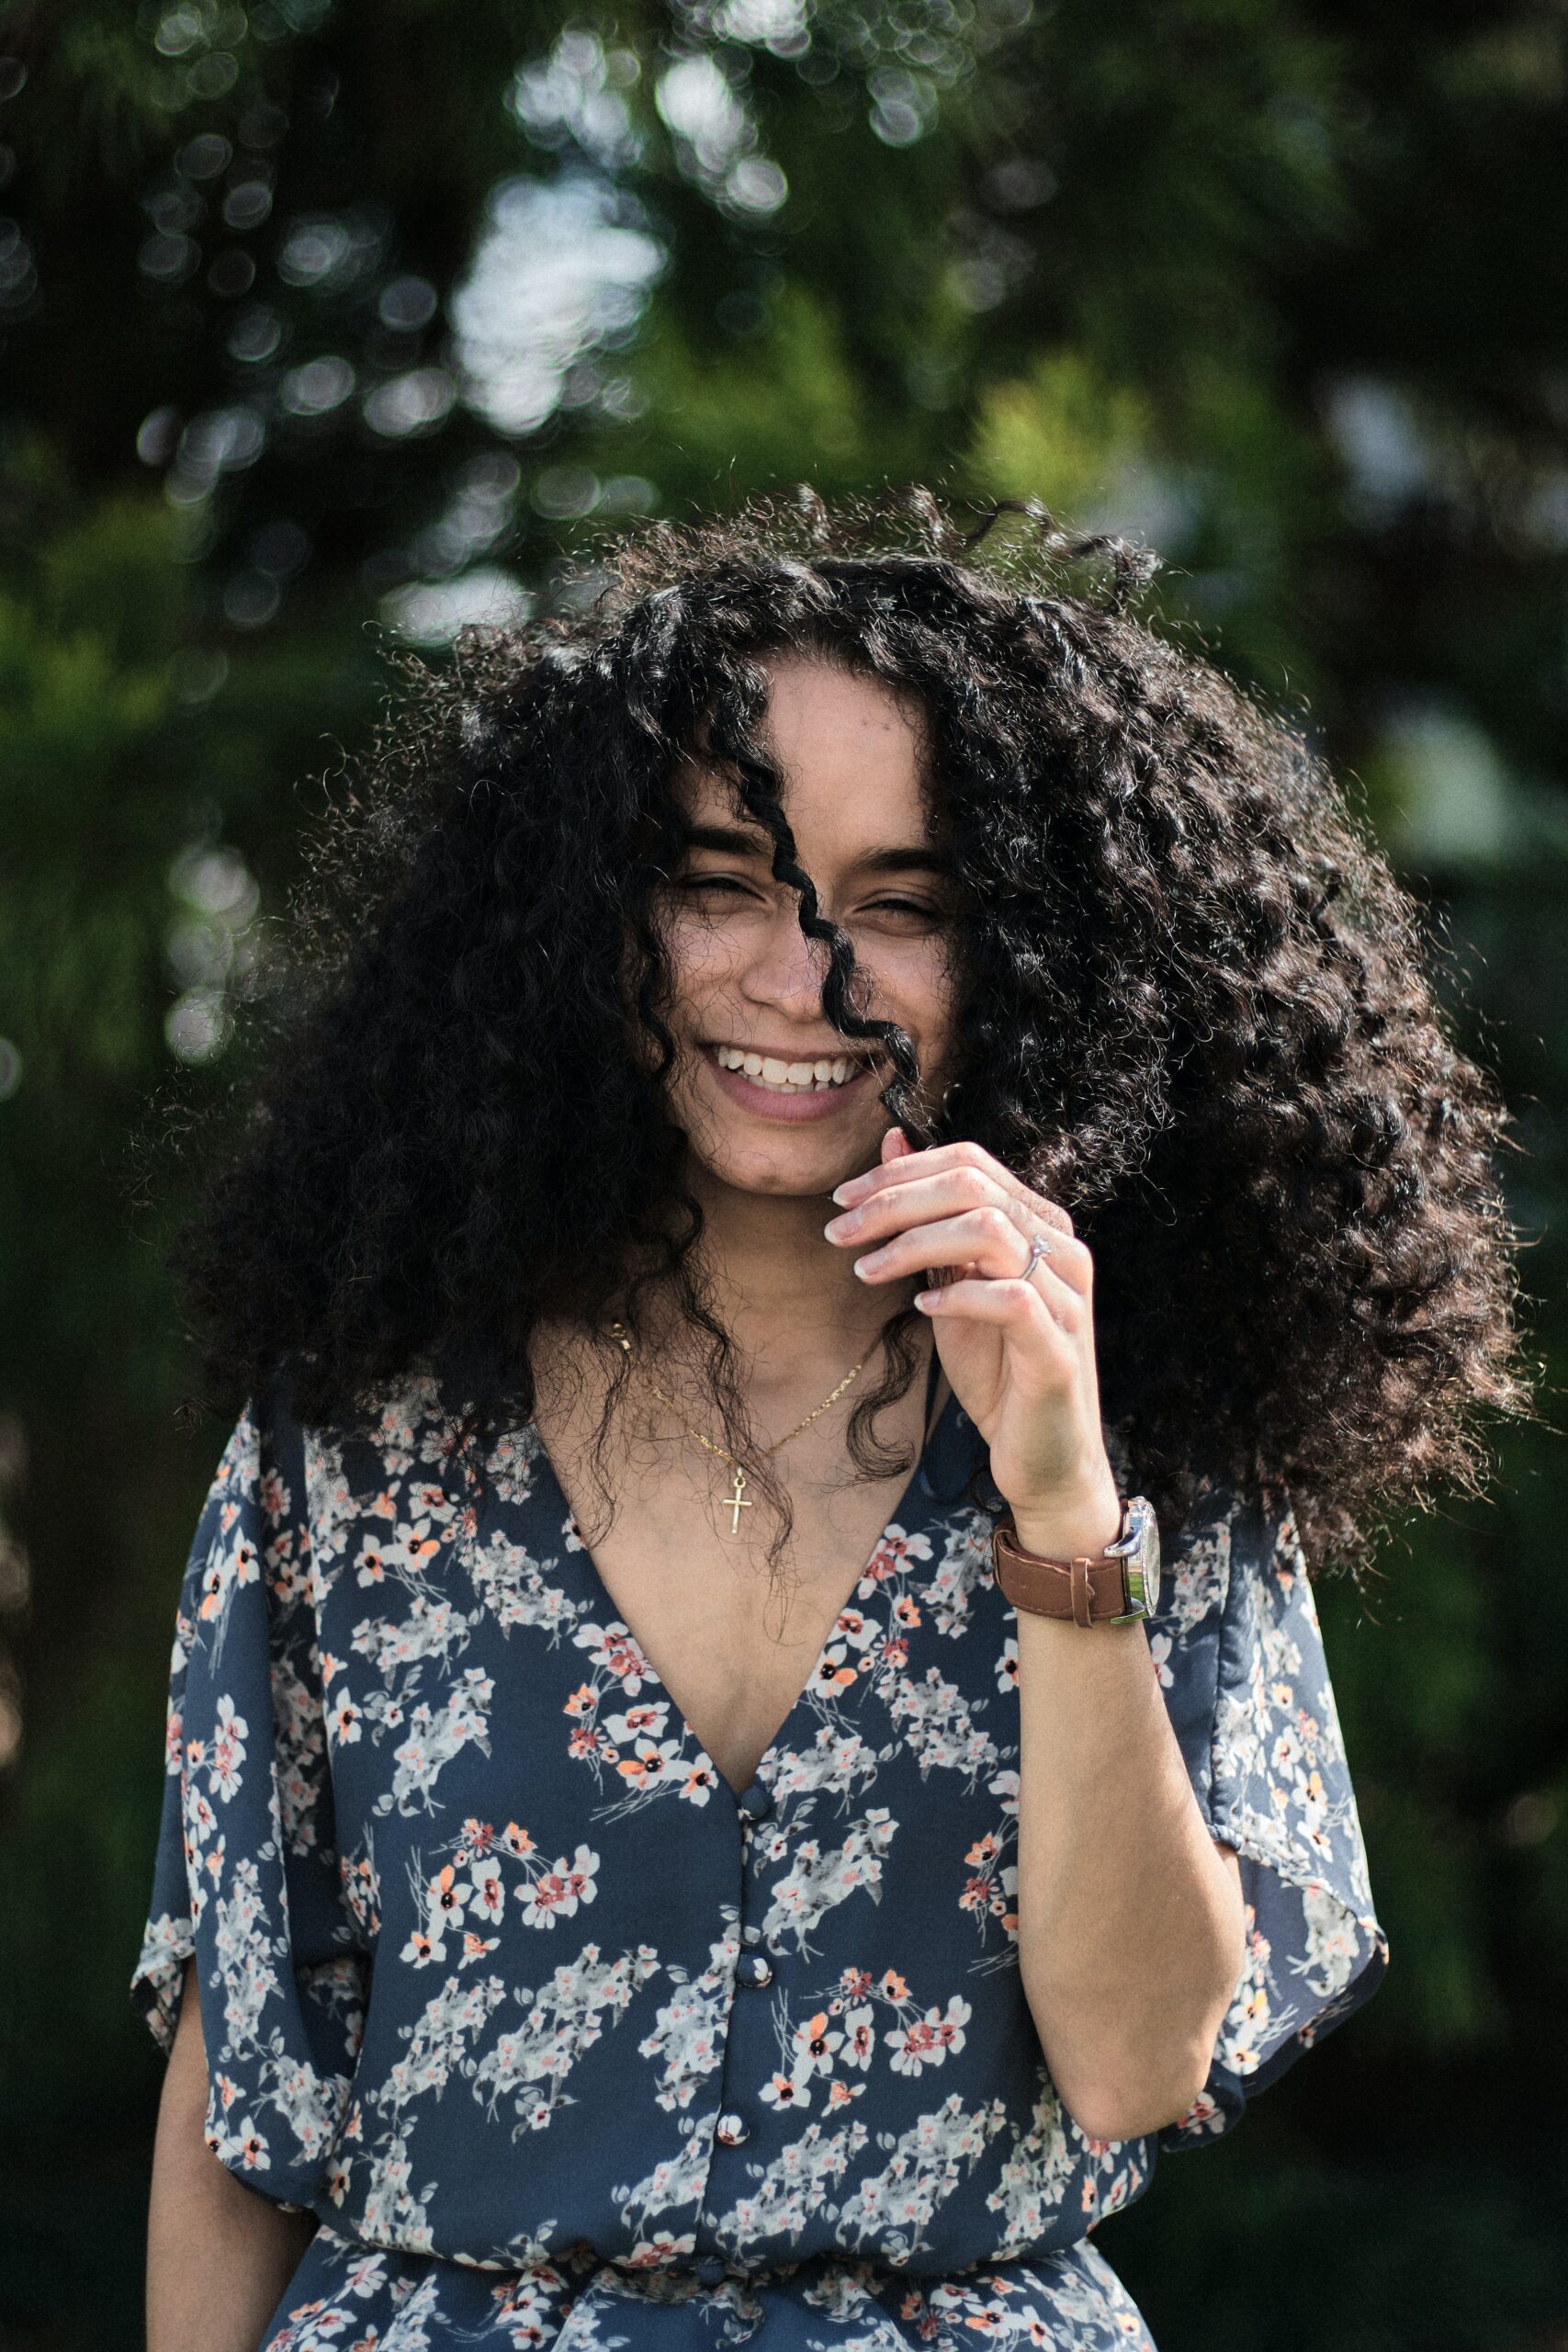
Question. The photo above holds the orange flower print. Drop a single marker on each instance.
(832, 1672)
(420, 2010)
(370, 1568)
(652, 1762)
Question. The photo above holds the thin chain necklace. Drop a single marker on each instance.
(734, 1502)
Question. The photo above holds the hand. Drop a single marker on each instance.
(1020, 1353)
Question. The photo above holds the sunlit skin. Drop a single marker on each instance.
(1018, 1355)
(744, 973)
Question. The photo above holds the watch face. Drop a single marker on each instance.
(1143, 1558)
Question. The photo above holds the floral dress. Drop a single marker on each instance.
(567, 2045)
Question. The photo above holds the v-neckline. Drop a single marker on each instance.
(688, 1733)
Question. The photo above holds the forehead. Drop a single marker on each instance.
(850, 752)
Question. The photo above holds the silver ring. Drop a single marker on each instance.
(1038, 1247)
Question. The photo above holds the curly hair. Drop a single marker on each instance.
(1198, 1010)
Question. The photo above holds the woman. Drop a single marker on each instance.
(831, 1050)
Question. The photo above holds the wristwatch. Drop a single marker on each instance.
(1117, 1588)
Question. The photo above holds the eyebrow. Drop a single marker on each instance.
(918, 857)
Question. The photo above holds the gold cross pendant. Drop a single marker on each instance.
(734, 1503)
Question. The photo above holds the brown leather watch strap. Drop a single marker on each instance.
(1087, 1591)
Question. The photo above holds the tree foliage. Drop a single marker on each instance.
(322, 321)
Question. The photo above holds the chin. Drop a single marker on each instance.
(791, 1173)
(784, 1160)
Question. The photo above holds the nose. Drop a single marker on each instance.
(788, 969)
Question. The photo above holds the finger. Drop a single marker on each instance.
(952, 1254)
(915, 1205)
(896, 1206)
(939, 1158)
(933, 1156)
(896, 1145)
(1011, 1306)
(986, 1239)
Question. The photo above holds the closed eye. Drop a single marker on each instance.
(734, 886)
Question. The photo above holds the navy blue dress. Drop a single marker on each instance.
(566, 2045)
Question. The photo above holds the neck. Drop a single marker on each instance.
(790, 1300)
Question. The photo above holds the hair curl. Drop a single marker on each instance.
(1196, 1004)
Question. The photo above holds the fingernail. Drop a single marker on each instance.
(849, 1190)
(926, 1299)
(839, 1228)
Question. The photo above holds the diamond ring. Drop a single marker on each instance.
(1038, 1247)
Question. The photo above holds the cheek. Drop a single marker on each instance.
(704, 960)
(918, 988)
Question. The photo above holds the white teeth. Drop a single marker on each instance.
(789, 1078)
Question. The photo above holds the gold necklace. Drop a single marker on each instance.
(735, 1501)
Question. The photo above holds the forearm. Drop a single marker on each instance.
(219, 2254)
(1131, 1930)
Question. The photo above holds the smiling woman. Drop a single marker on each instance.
(747, 980)
(806, 1083)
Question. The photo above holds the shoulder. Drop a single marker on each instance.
(402, 1431)
(380, 1494)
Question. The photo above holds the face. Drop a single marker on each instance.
(770, 1096)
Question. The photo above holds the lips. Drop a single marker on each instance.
(787, 1099)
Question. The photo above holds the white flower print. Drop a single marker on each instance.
(821, 1879)
(555, 1893)
(925, 2041)
(687, 2034)
(436, 1736)
(225, 1752)
(563, 2019)
(530, 2040)
(923, 2165)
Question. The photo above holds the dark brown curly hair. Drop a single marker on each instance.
(1198, 1007)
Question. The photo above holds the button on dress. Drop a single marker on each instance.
(568, 2046)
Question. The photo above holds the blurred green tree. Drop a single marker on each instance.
(320, 321)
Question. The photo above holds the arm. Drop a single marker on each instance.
(1131, 1920)
(1131, 1925)
(219, 2254)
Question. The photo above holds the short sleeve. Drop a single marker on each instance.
(245, 1876)
(1240, 1654)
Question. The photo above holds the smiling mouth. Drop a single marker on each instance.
(820, 1076)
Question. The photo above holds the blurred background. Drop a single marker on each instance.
(325, 327)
